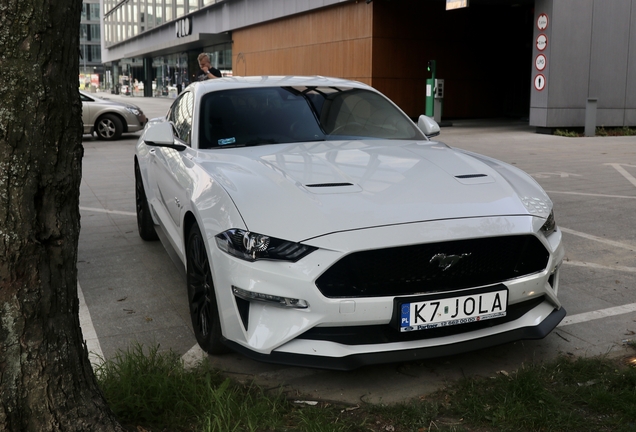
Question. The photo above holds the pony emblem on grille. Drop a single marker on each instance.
(447, 261)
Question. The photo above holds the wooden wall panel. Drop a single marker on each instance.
(335, 41)
(408, 93)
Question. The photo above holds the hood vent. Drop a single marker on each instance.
(467, 176)
(474, 179)
(322, 185)
(332, 188)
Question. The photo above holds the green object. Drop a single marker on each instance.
(430, 88)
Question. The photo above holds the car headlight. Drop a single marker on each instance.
(134, 110)
(251, 246)
(550, 224)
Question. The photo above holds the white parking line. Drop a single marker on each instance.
(99, 210)
(601, 267)
(591, 194)
(599, 239)
(619, 167)
(194, 356)
(95, 354)
(598, 314)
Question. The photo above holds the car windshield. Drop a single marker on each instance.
(272, 115)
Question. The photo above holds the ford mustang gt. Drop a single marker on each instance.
(318, 225)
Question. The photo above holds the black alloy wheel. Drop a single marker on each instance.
(145, 225)
(204, 311)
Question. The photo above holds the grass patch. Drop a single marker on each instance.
(153, 391)
(567, 133)
(594, 394)
(600, 131)
(624, 131)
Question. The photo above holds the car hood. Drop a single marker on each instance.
(302, 191)
(103, 103)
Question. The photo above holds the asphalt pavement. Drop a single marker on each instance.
(134, 293)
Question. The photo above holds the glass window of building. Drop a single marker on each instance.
(159, 12)
(169, 15)
(118, 20)
(180, 11)
(95, 53)
(93, 11)
(135, 19)
(144, 16)
(129, 20)
(94, 32)
(193, 5)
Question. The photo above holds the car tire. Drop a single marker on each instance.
(145, 224)
(204, 311)
(109, 127)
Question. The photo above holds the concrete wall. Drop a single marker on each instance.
(589, 55)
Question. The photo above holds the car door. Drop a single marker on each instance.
(169, 171)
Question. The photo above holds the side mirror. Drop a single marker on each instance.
(161, 135)
(428, 126)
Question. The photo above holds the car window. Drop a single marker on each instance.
(85, 98)
(271, 115)
(180, 115)
(256, 116)
(357, 112)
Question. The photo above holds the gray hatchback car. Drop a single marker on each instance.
(109, 119)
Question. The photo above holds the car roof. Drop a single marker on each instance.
(275, 81)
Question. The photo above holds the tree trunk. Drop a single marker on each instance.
(46, 381)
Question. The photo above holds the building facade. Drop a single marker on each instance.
(91, 70)
(537, 60)
(589, 54)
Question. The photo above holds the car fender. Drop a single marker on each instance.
(522, 183)
(211, 206)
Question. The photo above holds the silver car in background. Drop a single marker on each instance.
(109, 119)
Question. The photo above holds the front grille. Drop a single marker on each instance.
(433, 267)
(379, 334)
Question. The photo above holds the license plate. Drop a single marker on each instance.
(437, 312)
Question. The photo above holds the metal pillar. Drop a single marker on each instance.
(590, 117)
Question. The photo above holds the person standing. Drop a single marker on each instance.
(207, 71)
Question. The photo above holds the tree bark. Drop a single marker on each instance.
(46, 380)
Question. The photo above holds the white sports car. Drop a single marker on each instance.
(318, 225)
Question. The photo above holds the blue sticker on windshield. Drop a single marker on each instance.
(227, 141)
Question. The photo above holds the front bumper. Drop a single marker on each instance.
(354, 361)
(136, 123)
(289, 335)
